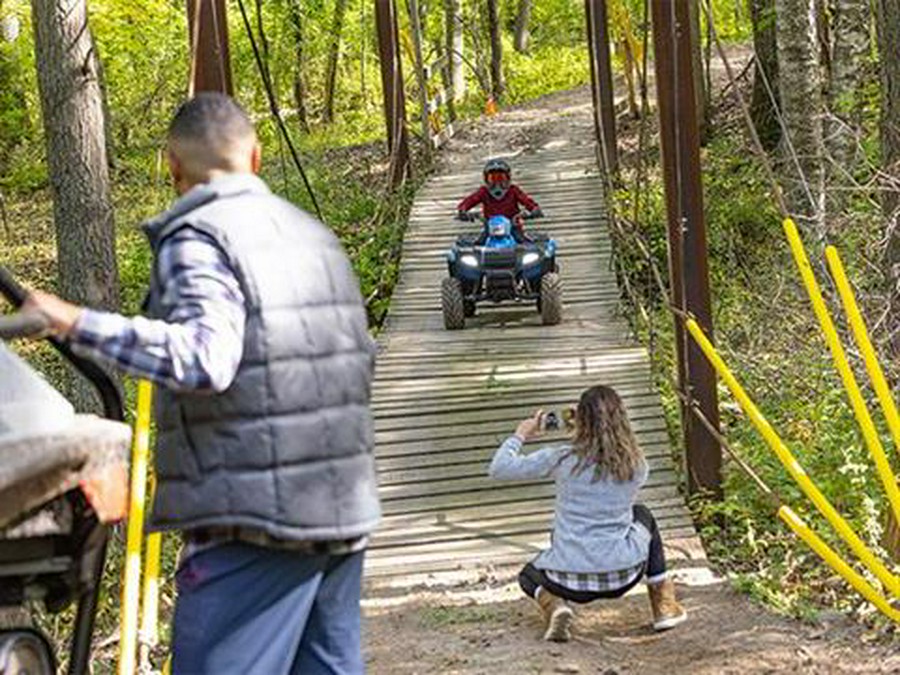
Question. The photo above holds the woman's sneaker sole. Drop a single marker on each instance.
(559, 628)
(669, 622)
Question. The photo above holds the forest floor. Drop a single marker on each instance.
(487, 626)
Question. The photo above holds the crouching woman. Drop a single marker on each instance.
(603, 543)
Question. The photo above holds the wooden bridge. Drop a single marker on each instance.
(444, 400)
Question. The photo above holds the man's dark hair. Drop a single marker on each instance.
(211, 118)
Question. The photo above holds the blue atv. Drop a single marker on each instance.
(498, 267)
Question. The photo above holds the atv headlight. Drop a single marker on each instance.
(530, 258)
(469, 260)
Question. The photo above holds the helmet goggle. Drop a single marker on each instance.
(496, 176)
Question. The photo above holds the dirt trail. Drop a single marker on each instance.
(487, 626)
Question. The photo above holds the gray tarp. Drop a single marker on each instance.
(36, 469)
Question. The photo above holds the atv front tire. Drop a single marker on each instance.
(551, 299)
(469, 308)
(452, 304)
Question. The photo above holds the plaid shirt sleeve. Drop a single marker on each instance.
(198, 344)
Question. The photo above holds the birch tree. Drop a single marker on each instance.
(800, 89)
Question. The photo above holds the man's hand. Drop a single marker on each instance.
(62, 315)
(531, 427)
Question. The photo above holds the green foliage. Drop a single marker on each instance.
(766, 331)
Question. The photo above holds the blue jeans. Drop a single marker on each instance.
(245, 609)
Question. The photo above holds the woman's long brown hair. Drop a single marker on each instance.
(603, 438)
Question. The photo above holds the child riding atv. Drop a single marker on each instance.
(499, 197)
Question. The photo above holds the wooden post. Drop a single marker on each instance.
(688, 271)
(416, 25)
(392, 86)
(210, 58)
(602, 84)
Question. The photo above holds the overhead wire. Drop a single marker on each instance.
(275, 110)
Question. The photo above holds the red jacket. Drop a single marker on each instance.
(507, 206)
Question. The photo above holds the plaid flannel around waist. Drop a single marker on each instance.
(595, 582)
(203, 538)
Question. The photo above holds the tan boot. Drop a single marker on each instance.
(667, 613)
(557, 615)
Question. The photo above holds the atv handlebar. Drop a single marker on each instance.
(471, 217)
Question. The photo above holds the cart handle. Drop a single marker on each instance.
(13, 291)
(22, 325)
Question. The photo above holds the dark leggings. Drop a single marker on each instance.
(530, 578)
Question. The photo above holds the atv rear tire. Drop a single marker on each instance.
(452, 304)
(551, 299)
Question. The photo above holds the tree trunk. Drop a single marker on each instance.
(295, 12)
(454, 26)
(631, 68)
(888, 22)
(522, 34)
(76, 154)
(334, 52)
(498, 86)
(802, 107)
(763, 107)
(697, 66)
(851, 49)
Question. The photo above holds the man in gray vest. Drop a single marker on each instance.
(256, 332)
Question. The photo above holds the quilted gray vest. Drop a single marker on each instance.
(287, 449)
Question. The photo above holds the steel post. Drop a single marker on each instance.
(210, 58)
(602, 83)
(392, 86)
(688, 267)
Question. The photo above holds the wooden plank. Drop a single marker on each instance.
(500, 494)
(413, 450)
(517, 524)
(498, 554)
(474, 463)
(535, 504)
(654, 444)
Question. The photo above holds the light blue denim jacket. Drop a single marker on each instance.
(594, 529)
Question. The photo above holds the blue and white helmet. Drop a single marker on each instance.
(499, 226)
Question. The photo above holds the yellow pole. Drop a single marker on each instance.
(858, 325)
(132, 585)
(857, 402)
(149, 635)
(834, 561)
(791, 464)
